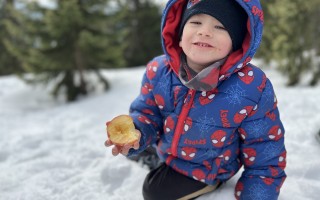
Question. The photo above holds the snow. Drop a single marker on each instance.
(54, 150)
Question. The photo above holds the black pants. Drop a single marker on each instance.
(163, 183)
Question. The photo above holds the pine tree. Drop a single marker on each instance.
(9, 64)
(69, 41)
(314, 37)
(142, 20)
(289, 36)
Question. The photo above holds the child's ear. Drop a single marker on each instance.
(180, 43)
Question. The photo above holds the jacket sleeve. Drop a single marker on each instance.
(262, 150)
(145, 112)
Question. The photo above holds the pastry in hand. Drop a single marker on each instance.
(121, 131)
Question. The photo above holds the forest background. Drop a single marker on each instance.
(67, 41)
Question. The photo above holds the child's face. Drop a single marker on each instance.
(204, 41)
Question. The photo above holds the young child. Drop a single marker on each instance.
(207, 109)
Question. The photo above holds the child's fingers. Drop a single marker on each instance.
(108, 143)
(125, 149)
(115, 151)
(136, 145)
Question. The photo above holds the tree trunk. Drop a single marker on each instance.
(316, 77)
(79, 65)
(102, 79)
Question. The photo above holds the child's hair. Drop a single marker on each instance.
(230, 14)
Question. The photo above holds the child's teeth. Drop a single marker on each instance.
(203, 45)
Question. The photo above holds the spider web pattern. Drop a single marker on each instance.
(258, 192)
(203, 124)
(258, 128)
(164, 86)
(211, 153)
(259, 172)
(235, 94)
(271, 150)
(268, 95)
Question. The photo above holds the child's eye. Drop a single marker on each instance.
(195, 22)
(220, 27)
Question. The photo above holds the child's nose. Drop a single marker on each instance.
(205, 31)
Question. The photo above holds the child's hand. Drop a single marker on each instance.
(125, 148)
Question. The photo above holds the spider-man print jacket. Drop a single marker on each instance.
(210, 135)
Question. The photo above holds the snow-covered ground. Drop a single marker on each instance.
(54, 150)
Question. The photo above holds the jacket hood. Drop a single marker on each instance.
(170, 23)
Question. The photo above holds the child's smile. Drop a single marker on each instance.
(201, 44)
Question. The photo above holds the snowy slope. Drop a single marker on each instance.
(53, 150)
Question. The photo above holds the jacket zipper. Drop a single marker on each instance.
(181, 120)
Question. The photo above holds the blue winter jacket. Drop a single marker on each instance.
(210, 135)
